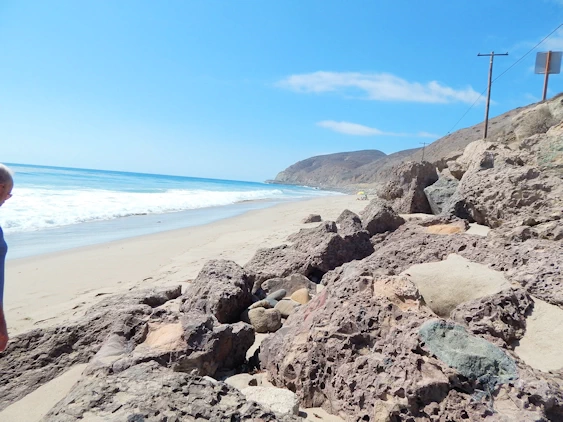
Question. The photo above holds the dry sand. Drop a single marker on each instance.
(49, 289)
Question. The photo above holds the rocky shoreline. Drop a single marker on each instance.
(385, 315)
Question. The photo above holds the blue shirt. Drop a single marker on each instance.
(3, 251)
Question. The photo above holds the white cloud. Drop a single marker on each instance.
(378, 86)
(350, 128)
(356, 129)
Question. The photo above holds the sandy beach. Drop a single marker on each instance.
(50, 289)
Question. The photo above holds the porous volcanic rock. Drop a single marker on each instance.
(355, 350)
(380, 217)
(314, 252)
(222, 289)
(405, 191)
(150, 393)
(501, 317)
(40, 355)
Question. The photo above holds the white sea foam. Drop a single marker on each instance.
(37, 208)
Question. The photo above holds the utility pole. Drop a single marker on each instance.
(492, 55)
(423, 146)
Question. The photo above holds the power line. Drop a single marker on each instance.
(529, 51)
(510, 67)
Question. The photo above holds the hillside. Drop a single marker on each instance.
(369, 168)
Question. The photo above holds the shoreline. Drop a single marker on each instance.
(48, 289)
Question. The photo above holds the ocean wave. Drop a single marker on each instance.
(39, 208)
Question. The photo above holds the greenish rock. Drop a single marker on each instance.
(473, 357)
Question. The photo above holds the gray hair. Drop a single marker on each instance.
(6, 175)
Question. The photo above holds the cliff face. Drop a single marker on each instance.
(371, 168)
(341, 170)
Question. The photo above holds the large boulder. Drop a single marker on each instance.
(439, 193)
(313, 251)
(38, 356)
(356, 349)
(280, 261)
(380, 217)
(222, 289)
(149, 392)
(405, 191)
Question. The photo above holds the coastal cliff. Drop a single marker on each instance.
(370, 168)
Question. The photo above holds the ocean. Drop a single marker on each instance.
(56, 208)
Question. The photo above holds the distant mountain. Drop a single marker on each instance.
(369, 168)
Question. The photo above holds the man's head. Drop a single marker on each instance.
(6, 183)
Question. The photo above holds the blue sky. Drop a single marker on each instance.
(242, 89)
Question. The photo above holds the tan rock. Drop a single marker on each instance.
(265, 320)
(456, 280)
(286, 307)
(301, 296)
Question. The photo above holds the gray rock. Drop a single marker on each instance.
(277, 295)
(349, 223)
(474, 357)
(380, 217)
(439, 193)
(312, 218)
(150, 393)
(222, 289)
(405, 191)
(265, 320)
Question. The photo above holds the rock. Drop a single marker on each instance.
(312, 218)
(286, 307)
(502, 185)
(265, 320)
(456, 170)
(439, 193)
(348, 223)
(405, 191)
(277, 295)
(277, 262)
(290, 284)
(379, 217)
(40, 355)
(222, 289)
(148, 392)
(301, 296)
(474, 357)
(199, 345)
(314, 252)
(264, 303)
(456, 280)
(500, 317)
(279, 400)
(450, 228)
(540, 346)
(356, 348)
(241, 381)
